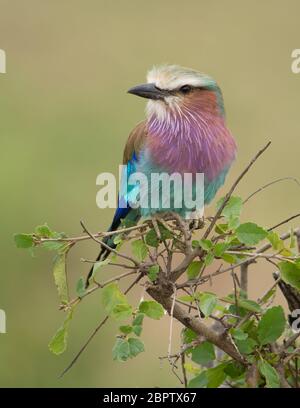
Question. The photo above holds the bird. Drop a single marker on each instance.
(184, 131)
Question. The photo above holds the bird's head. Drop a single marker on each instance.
(174, 89)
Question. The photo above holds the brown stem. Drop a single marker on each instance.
(162, 293)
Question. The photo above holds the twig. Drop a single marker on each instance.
(110, 264)
(235, 294)
(98, 286)
(296, 352)
(220, 340)
(185, 381)
(97, 235)
(199, 251)
(101, 324)
(290, 341)
(171, 323)
(270, 184)
(259, 301)
(228, 195)
(252, 376)
(244, 278)
(259, 251)
(103, 244)
(284, 222)
(262, 255)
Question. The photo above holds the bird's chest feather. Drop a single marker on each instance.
(196, 145)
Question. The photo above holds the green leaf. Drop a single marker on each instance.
(138, 320)
(229, 258)
(193, 269)
(220, 248)
(215, 376)
(80, 287)
(112, 296)
(268, 295)
(200, 381)
(208, 260)
(271, 325)
(121, 311)
(246, 346)
(189, 335)
(234, 369)
(44, 231)
(187, 298)
(191, 369)
(238, 334)
(139, 249)
(195, 243)
(127, 329)
(99, 265)
(207, 302)
(60, 277)
(205, 244)
(137, 324)
(58, 343)
(137, 330)
(221, 228)
(247, 304)
(53, 246)
(164, 232)
(151, 309)
(23, 240)
(232, 208)
(203, 353)
(151, 238)
(275, 240)
(136, 346)
(290, 273)
(118, 239)
(233, 223)
(250, 233)
(269, 373)
(153, 272)
(121, 351)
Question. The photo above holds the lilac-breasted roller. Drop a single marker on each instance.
(184, 132)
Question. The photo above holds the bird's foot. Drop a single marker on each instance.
(197, 223)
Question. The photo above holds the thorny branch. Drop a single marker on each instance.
(166, 286)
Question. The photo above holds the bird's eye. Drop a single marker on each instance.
(185, 89)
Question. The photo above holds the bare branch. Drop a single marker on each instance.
(233, 187)
(244, 277)
(270, 184)
(163, 294)
(284, 222)
(93, 334)
(103, 244)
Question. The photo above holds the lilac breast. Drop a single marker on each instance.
(191, 142)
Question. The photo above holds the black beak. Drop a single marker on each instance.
(149, 91)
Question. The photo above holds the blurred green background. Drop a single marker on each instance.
(64, 117)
